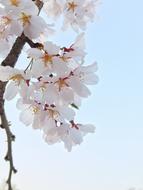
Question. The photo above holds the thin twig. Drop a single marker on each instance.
(33, 44)
(8, 157)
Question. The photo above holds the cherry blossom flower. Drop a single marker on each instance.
(86, 74)
(8, 25)
(21, 16)
(46, 60)
(77, 14)
(18, 80)
(70, 134)
(54, 8)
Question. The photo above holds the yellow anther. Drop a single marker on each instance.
(65, 59)
(15, 2)
(5, 21)
(35, 109)
(47, 59)
(17, 77)
(61, 83)
(25, 18)
(43, 88)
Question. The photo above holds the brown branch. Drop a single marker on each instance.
(2, 89)
(15, 51)
(33, 44)
(8, 157)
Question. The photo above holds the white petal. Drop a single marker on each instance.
(34, 53)
(79, 88)
(76, 136)
(88, 128)
(16, 29)
(51, 48)
(36, 122)
(35, 28)
(37, 69)
(5, 72)
(67, 143)
(11, 91)
(67, 95)
(90, 68)
(91, 79)
(67, 113)
(79, 42)
(26, 117)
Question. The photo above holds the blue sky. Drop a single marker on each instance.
(110, 159)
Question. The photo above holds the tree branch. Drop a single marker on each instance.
(2, 89)
(8, 157)
(15, 51)
(33, 44)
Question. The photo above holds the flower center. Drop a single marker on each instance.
(53, 114)
(47, 58)
(61, 83)
(15, 2)
(17, 77)
(5, 21)
(72, 6)
(35, 109)
(43, 88)
(65, 59)
(25, 19)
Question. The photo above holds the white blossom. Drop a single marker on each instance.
(19, 16)
(77, 14)
(18, 80)
(54, 8)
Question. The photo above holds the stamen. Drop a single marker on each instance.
(15, 2)
(47, 59)
(25, 18)
(61, 83)
(17, 77)
(53, 113)
(72, 6)
(35, 109)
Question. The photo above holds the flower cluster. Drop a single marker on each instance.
(17, 17)
(51, 89)
(76, 13)
(52, 86)
(22, 16)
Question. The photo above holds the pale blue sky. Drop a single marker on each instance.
(112, 158)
